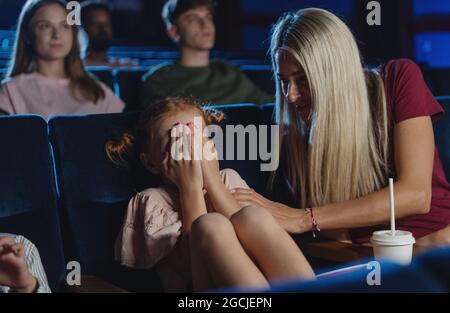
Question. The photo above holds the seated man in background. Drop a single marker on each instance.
(97, 24)
(190, 24)
(21, 269)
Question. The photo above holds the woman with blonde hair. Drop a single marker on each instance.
(46, 76)
(345, 131)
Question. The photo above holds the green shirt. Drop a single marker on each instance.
(218, 83)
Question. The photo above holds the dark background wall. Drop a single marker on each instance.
(418, 29)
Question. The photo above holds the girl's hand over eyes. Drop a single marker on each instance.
(179, 164)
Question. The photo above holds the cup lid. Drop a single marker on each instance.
(384, 237)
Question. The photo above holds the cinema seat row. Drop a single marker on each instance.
(59, 190)
(126, 82)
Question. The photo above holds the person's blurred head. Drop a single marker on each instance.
(190, 23)
(43, 34)
(96, 21)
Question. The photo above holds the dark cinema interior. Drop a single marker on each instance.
(328, 122)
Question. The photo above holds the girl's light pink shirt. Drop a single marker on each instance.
(151, 230)
(37, 94)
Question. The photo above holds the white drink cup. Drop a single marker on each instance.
(397, 248)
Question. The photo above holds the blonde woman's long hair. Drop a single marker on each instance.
(345, 154)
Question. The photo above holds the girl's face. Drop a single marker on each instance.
(294, 84)
(52, 37)
(164, 126)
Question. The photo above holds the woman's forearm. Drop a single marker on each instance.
(373, 209)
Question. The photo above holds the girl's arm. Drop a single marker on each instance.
(414, 156)
(186, 173)
(192, 206)
(221, 198)
(218, 194)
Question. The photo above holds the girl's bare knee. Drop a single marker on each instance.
(251, 217)
(209, 228)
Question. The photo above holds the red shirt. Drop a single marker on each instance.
(409, 97)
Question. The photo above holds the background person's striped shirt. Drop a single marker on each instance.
(34, 264)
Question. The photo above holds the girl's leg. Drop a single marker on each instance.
(214, 240)
(275, 252)
(201, 278)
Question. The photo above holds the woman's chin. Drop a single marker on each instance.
(51, 57)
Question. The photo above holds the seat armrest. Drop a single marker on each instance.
(342, 252)
(335, 251)
(92, 284)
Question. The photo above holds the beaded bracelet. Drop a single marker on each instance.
(315, 226)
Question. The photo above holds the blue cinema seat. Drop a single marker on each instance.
(28, 197)
(260, 75)
(438, 80)
(94, 195)
(428, 273)
(103, 74)
(129, 82)
(252, 117)
(3, 71)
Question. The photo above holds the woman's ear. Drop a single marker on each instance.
(148, 163)
(172, 32)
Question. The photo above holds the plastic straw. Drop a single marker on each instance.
(392, 207)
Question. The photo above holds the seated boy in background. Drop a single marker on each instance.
(190, 25)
